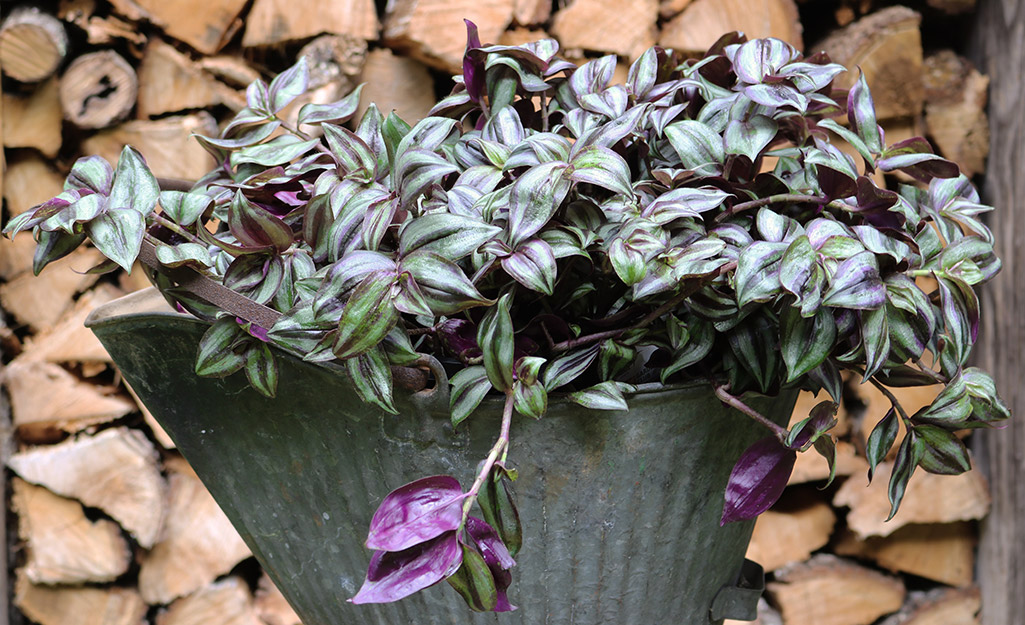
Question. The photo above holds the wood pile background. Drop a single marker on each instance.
(111, 527)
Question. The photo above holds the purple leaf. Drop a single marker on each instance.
(394, 575)
(90, 172)
(757, 480)
(915, 157)
(861, 114)
(533, 266)
(496, 556)
(759, 58)
(416, 512)
(473, 64)
(255, 227)
(856, 284)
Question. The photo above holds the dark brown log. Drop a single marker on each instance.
(98, 89)
(32, 44)
(998, 50)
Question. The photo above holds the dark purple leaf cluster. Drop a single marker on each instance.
(548, 230)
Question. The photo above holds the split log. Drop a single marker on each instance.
(29, 180)
(170, 82)
(272, 22)
(47, 401)
(532, 12)
(99, 31)
(32, 44)
(98, 90)
(791, 531)
(940, 607)
(810, 466)
(827, 590)
(272, 606)
(130, 10)
(704, 21)
(79, 605)
(202, 24)
(767, 615)
(34, 121)
(396, 83)
(668, 9)
(229, 69)
(520, 36)
(335, 59)
(955, 110)
(624, 28)
(887, 46)
(929, 498)
(943, 552)
(69, 341)
(115, 471)
(432, 31)
(61, 545)
(166, 143)
(227, 602)
(911, 398)
(198, 543)
(40, 301)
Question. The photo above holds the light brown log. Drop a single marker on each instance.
(170, 82)
(34, 121)
(156, 429)
(704, 21)
(942, 606)
(197, 545)
(929, 498)
(203, 24)
(79, 605)
(335, 59)
(278, 21)
(98, 89)
(944, 552)
(955, 110)
(272, 606)
(99, 30)
(166, 143)
(887, 45)
(130, 9)
(791, 531)
(953, 7)
(520, 36)
(29, 180)
(230, 69)
(32, 44)
(624, 27)
(827, 590)
(876, 405)
(810, 466)
(61, 545)
(396, 83)
(227, 602)
(433, 30)
(767, 615)
(69, 341)
(115, 471)
(40, 301)
(532, 12)
(668, 9)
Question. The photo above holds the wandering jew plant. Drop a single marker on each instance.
(545, 231)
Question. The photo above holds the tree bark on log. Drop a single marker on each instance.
(998, 48)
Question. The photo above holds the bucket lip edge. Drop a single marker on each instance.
(150, 302)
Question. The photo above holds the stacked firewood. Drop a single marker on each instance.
(113, 528)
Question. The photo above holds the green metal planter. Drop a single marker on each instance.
(620, 509)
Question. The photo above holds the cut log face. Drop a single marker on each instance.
(827, 590)
(887, 46)
(35, 121)
(69, 340)
(704, 21)
(943, 552)
(621, 27)
(198, 544)
(395, 83)
(32, 44)
(227, 602)
(40, 301)
(204, 25)
(170, 82)
(166, 143)
(79, 605)
(98, 90)
(272, 22)
(944, 607)
(791, 532)
(62, 546)
(115, 471)
(433, 30)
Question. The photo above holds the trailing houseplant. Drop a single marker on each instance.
(546, 232)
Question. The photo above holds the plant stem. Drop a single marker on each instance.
(499, 448)
(723, 393)
(175, 228)
(779, 198)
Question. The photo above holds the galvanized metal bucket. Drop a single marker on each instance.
(620, 509)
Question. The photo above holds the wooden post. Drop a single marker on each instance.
(998, 49)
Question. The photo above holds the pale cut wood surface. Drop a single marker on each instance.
(40, 301)
(929, 499)
(887, 46)
(955, 110)
(277, 21)
(946, 607)
(69, 341)
(227, 602)
(998, 50)
(61, 545)
(32, 44)
(944, 552)
(206, 25)
(624, 27)
(396, 83)
(115, 471)
(98, 89)
(702, 22)
(79, 605)
(827, 590)
(790, 534)
(197, 545)
(272, 606)
(167, 144)
(34, 121)
(170, 82)
(433, 30)
(99, 30)
(532, 12)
